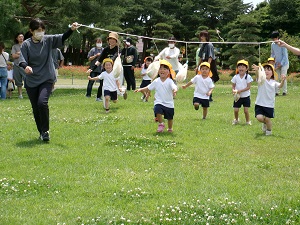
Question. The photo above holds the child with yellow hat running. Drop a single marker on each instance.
(165, 91)
(241, 84)
(265, 100)
(203, 88)
(110, 83)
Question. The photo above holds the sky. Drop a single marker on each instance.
(254, 2)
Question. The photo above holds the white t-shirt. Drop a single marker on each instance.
(4, 58)
(241, 83)
(145, 77)
(109, 81)
(266, 93)
(163, 92)
(173, 53)
(202, 86)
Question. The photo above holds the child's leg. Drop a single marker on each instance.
(159, 118)
(246, 111)
(260, 118)
(236, 113)
(268, 122)
(107, 98)
(204, 112)
(196, 105)
(170, 124)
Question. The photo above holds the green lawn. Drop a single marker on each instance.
(114, 168)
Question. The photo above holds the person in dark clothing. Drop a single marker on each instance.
(130, 57)
(93, 55)
(36, 59)
(207, 54)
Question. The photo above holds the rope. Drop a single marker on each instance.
(91, 26)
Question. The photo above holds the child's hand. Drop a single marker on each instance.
(174, 93)
(89, 71)
(97, 63)
(283, 77)
(234, 91)
(137, 90)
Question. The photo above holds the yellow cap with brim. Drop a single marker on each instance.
(107, 60)
(271, 59)
(166, 63)
(272, 67)
(244, 62)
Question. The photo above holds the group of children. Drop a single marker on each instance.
(165, 90)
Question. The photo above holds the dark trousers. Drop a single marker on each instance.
(38, 97)
(99, 92)
(91, 83)
(129, 77)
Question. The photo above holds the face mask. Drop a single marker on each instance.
(98, 45)
(39, 35)
(171, 45)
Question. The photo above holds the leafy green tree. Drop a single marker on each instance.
(244, 29)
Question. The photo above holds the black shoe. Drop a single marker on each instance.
(45, 136)
(283, 94)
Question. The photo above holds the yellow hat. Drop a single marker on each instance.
(271, 59)
(166, 63)
(275, 75)
(244, 62)
(107, 60)
(205, 64)
(113, 35)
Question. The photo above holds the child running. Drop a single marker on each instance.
(241, 84)
(165, 91)
(203, 88)
(110, 83)
(265, 100)
(146, 79)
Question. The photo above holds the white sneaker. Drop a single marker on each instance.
(20, 96)
(235, 122)
(249, 123)
(264, 127)
(99, 99)
(268, 132)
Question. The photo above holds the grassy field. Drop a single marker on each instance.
(114, 168)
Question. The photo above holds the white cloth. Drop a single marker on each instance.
(3, 62)
(145, 77)
(163, 92)
(241, 83)
(109, 81)
(202, 86)
(266, 93)
(173, 53)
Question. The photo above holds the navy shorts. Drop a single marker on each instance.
(145, 83)
(113, 94)
(246, 102)
(167, 112)
(203, 102)
(265, 111)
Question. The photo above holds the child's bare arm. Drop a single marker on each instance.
(187, 85)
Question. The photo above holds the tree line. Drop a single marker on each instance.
(228, 20)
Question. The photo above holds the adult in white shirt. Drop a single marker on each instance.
(170, 54)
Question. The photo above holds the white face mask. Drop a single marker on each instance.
(38, 35)
(98, 45)
(171, 45)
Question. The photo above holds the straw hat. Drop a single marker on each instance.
(113, 35)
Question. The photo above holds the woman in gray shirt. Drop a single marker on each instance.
(36, 59)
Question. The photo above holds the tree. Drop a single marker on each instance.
(243, 29)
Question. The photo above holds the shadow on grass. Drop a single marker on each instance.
(31, 143)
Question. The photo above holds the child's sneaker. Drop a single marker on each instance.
(170, 130)
(268, 132)
(249, 123)
(264, 127)
(235, 122)
(155, 120)
(160, 128)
